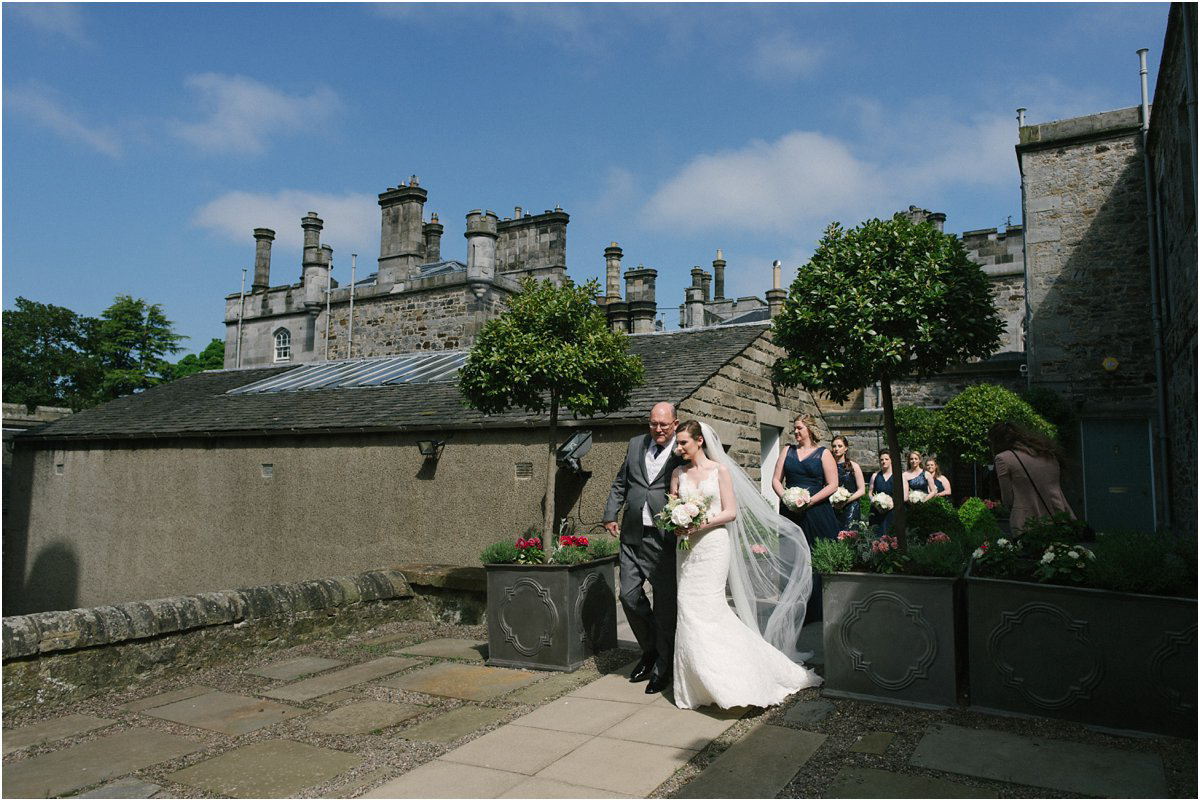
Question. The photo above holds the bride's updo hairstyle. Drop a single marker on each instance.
(692, 427)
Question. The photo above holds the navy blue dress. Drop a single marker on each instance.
(817, 520)
(919, 483)
(848, 514)
(882, 520)
(937, 483)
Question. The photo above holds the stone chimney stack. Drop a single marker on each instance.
(262, 258)
(719, 277)
(316, 271)
(402, 240)
(706, 284)
(777, 294)
(938, 219)
(639, 294)
(481, 249)
(612, 273)
(694, 307)
(433, 239)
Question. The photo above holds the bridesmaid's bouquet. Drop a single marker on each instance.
(796, 498)
(881, 501)
(683, 512)
(839, 496)
(916, 496)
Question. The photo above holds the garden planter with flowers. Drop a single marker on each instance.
(550, 612)
(1122, 660)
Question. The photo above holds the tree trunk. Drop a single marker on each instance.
(893, 442)
(551, 471)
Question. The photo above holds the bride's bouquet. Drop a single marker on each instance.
(916, 496)
(881, 501)
(839, 496)
(796, 498)
(683, 512)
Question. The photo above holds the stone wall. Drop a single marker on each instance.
(1172, 128)
(1001, 254)
(54, 657)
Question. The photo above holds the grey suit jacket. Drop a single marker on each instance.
(633, 488)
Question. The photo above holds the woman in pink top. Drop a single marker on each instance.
(1027, 465)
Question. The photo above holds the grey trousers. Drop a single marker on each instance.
(652, 560)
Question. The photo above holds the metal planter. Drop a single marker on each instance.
(550, 617)
(1112, 659)
(895, 639)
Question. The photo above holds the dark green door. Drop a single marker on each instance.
(1118, 474)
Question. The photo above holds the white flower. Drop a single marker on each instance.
(1073, 555)
(1048, 557)
(1090, 555)
(916, 496)
(691, 509)
(978, 553)
(680, 516)
(881, 501)
(840, 495)
(795, 497)
(1003, 543)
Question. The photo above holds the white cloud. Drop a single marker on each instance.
(54, 19)
(618, 189)
(781, 57)
(351, 221)
(43, 106)
(245, 112)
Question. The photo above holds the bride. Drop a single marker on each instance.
(747, 658)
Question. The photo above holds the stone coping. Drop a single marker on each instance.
(449, 577)
(43, 632)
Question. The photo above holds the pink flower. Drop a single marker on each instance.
(758, 549)
(939, 536)
(847, 535)
(521, 543)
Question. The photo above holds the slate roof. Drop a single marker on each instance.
(677, 363)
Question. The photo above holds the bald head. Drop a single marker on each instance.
(662, 422)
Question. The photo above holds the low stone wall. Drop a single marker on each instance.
(54, 657)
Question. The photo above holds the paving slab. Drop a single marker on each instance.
(618, 766)
(48, 731)
(295, 668)
(616, 687)
(468, 682)
(537, 787)
(808, 713)
(873, 783)
(225, 713)
(439, 779)
(341, 679)
(875, 742)
(549, 687)
(350, 788)
(578, 715)
(455, 724)
(162, 699)
(387, 639)
(267, 769)
(339, 697)
(61, 772)
(124, 788)
(517, 749)
(757, 766)
(364, 717)
(682, 728)
(450, 648)
(1040, 762)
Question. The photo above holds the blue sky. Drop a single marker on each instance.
(143, 142)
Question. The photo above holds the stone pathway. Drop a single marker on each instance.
(336, 727)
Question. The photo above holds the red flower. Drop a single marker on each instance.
(583, 540)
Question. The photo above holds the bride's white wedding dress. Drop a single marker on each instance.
(718, 658)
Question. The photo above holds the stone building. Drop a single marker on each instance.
(241, 477)
(416, 300)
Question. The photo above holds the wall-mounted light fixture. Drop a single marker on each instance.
(431, 448)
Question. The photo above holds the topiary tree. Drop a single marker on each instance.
(967, 417)
(915, 428)
(551, 349)
(887, 300)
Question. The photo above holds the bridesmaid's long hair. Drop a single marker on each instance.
(1006, 435)
(849, 461)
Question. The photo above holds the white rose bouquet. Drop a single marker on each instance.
(881, 501)
(683, 512)
(796, 498)
(916, 496)
(839, 496)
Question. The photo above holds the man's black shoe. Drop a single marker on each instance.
(642, 671)
(657, 685)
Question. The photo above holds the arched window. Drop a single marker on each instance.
(283, 345)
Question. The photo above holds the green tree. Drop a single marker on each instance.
(551, 349)
(132, 339)
(211, 358)
(915, 428)
(887, 300)
(48, 358)
(967, 417)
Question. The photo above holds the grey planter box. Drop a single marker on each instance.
(550, 617)
(1111, 659)
(892, 638)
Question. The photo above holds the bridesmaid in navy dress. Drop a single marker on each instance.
(941, 484)
(882, 482)
(916, 477)
(850, 478)
(811, 467)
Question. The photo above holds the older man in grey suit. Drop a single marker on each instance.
(647, 554)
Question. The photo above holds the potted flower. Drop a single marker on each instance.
(893, 622)
(552, 606)
(1101, 632)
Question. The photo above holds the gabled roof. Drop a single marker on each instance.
(677, 363)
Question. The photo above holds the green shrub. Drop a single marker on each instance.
(1039, 532)
(499, 553)
(945, 558)
(570, 556)
(966, 418)
(601, 546)
(979, 524)
(832, 556)
(864, 503)
(915, 428)
(1133, 561)
(935, 514)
